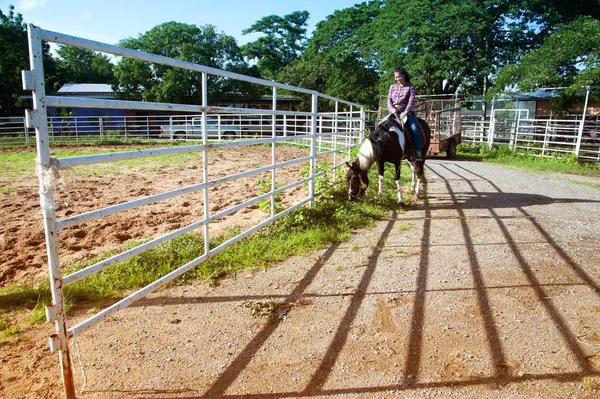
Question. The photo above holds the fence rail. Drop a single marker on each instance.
(322, 132)
(544, 137)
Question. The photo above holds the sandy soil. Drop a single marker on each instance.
(22, 243)
(488, 288)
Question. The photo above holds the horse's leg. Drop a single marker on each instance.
(398, 187)
(380, 170)
(414, 181)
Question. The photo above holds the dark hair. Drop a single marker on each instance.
(403, 72)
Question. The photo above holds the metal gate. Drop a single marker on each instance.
(345, 125)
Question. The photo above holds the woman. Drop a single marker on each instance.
(401, 99)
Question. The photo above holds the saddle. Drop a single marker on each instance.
(401, 127)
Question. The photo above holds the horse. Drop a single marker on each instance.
(387, 143)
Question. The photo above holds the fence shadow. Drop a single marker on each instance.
(411, 372)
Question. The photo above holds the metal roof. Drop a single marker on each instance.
(542, 94)
(93, 89)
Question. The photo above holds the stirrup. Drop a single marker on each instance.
(419, 156)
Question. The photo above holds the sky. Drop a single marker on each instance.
(110, 21)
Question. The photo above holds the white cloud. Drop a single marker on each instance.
(86, 16)
(30, 4)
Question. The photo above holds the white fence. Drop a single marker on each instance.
(100, 129)
(544, 137)
(324, 133)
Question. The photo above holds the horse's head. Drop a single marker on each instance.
(357, 181)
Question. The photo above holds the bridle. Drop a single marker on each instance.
(361, 189)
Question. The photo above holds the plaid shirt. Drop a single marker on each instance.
(401, 96)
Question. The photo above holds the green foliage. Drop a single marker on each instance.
(283, 42)
(335, 62)
(201, 45)
(265, 186)
(322, 182)
(13, 47)
(568, 57)
(81, 66)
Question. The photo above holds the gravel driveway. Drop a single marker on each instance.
(488, 288)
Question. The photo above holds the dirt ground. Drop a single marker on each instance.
(487, 288)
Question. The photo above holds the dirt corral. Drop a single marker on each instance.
(23, 250)
(488, 288)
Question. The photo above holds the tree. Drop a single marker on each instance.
(139, 80)
(445, 45)
(283, 42)
(13, 47)
(76, 65)
(569, 57)
(334, 61)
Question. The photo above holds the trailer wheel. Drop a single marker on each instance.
(451, 150)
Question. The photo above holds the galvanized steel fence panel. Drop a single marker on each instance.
(326, 134)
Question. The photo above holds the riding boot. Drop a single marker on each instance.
(410, 144)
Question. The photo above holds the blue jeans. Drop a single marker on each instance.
(413, 127)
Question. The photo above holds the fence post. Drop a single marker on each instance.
(336, 132)
(26, 128)
(492, 127)
(34, 80)
(514, 138)
(582, 123)
(313, 147)
(204, 129)
(491, 131)
(546, 136)
(273, 154)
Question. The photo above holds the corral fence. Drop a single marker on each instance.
(542, 137)
(576, 134)
(99, 129)
(508, 127)
(330, 130)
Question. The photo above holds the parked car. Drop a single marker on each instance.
(216, 129)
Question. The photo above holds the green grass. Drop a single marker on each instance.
(566, 163)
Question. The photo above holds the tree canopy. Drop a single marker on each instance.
(283, 41)
(201, 45)
(569, 58)
(76, 65)
(13, 47)
(448, 46)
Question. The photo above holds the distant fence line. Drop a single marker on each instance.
(544, 137)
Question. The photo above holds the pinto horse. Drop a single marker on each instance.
(387, 143)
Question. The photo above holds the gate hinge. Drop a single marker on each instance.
(29, 118)
(54, 344)
(50, 312)
(28, 80)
